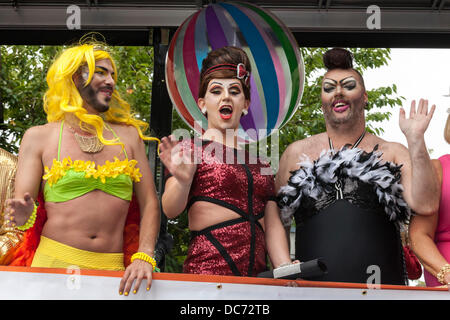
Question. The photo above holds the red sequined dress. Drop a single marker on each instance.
(235, 180)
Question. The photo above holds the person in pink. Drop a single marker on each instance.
(430, 235)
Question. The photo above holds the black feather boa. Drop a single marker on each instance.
(314, 178)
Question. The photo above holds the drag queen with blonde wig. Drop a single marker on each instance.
(63, 101)
(85, 166)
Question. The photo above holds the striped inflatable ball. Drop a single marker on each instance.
(277, 66)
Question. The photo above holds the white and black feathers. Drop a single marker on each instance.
(315, 178)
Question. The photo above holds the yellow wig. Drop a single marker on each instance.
(62, 97)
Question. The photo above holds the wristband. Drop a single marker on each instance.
(30, 222)
(441, 274)
(145, 257)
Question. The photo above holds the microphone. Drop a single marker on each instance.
(304, 270)
(163, 246)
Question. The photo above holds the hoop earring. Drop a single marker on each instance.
(244, 112)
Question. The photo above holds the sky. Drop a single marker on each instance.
(418, 73)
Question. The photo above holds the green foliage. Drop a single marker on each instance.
(22, 85)
(135, 69)
(179, 229)
(308, 120)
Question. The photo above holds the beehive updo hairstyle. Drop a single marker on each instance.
(224, 56)
(340, 58)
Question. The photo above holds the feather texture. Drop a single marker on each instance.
(317, 177)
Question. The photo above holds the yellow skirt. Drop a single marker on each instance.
(53, 254)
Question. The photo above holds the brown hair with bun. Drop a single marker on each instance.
(224, 56)
(340, 58)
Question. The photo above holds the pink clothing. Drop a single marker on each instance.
(442, 234)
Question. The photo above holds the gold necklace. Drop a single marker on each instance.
(88, 144)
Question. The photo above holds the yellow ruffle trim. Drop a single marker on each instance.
(108, 170)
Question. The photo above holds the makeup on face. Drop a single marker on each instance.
(231, 91)
(348, 83)
(341, 91)
(224, 102)
(343, 96)
(98, 92)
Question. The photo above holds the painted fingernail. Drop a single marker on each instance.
(126, 293)
(134, 291)
(148, 289)
(120, 292)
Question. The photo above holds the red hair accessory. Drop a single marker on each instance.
(241, 72)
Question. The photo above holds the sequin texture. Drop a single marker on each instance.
(204, 258)
(231, 178)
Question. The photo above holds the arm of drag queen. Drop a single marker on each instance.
(421, 233)
(276, 241)
(28, 176)
(419, 179)
(150, 223)
(182, 168)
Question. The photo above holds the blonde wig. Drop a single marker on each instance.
(62, 97)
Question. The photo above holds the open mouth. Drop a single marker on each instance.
(226, 112)
(340, 106)
(107, 92)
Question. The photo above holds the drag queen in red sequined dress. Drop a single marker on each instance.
(233, 216)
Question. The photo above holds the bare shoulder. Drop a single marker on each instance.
(40, 135)
(127, 133)
(390, 146)
(295, 147)
(392, 151)
(310, 147)
(39, 141)
(41, 130)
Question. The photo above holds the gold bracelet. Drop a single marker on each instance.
(441, 274)
(31, 220)
(145, 257)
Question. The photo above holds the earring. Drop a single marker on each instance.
(204, 110)
(245, 112)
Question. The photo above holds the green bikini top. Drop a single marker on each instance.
(68, 179)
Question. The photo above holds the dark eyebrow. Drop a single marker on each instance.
(105, 69)
(341, 81)
(330, 80)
